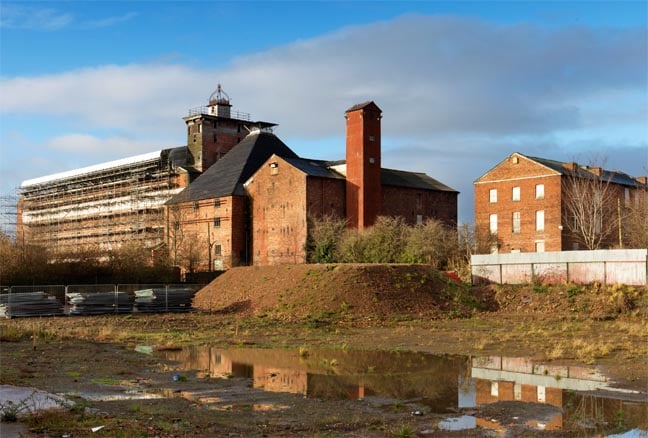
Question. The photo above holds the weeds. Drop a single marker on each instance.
(405, 431)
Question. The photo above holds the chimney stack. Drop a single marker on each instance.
(363, 185)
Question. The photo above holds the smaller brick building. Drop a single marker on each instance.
(208, 222)
(521, 203)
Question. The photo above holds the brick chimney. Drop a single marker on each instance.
(363, 186)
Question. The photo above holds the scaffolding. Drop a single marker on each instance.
(100, 207)
(8, 214)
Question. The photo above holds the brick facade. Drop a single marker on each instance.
(209, 234)
(513, 215)
(418, 205)
(278, 206)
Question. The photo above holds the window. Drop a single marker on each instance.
(540, 220)
(539, 246)
(493, 196)
(627, 197)
(419, 219)
(217, 203)
(539, 191)
(217, 222)
(516, 222)
(195, 206)
(493, 223)
(176, 225)
(494, 389)
(516, 193)
(217, 249)
(419, 201)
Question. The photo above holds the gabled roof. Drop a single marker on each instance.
(227, 175)
(560, 168)
(316, 168)
(415, 180)
(364, 105)
(614, 176)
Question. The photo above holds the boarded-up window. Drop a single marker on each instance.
(516, 222)
(493, 223)
(539, 189)
(540, 222)
(516, 194)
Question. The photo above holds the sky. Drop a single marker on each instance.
(462, 85)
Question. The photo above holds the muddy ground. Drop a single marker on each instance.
(86, 356)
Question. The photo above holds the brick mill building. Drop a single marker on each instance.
(234, 195)
(254, 205)
(522, 204)
(286, 192)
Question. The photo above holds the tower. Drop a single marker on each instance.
(212, 131)
(363, 185)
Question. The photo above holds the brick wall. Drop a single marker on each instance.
(210, 138)
(326, 197)
(197, 227)
(524, 175)
(429, 204)
(278, 206)
(363, 164)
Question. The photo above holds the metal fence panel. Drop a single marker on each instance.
(21, 301)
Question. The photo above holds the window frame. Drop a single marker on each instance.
(492, 223)
(540, 220)
(516, 222)
(492, 196)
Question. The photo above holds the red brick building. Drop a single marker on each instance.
(208, 222)
(253, 204)
(521, 205)
(286, 191)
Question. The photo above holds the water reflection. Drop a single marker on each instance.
(499, 391)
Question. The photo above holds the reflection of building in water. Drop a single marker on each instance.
(354, 375)
(442, 383)
(566, 387)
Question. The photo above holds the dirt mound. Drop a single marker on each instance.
(352, 291)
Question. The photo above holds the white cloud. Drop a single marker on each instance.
(458, 94)
(139, 98)
(79, 143)
(109, 21)
(430, 75)
(13, 16)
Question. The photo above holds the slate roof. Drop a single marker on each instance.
(613, 176)
(388, 177)
(415, 180)
(227, 175)
(316, 168)
(369, 104)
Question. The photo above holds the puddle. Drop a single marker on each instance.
(494, 393)
(459, 423)
(117, 396)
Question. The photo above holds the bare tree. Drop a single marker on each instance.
(590, 206)
(175, 232)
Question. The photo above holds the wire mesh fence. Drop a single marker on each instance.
(95, 299)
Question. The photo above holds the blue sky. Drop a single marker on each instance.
(461, 84)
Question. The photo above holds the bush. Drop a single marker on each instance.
(390, 240)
